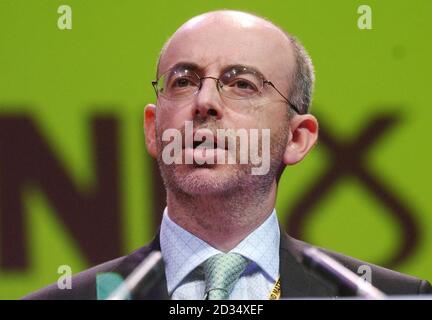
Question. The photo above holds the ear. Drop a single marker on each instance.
(303, 136)
(150, 129)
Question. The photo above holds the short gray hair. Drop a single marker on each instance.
(303, 78)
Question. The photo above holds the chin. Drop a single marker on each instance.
(206, 180)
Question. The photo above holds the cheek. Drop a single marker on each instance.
(278, 123)
(267, 119)
(172, 116)
(265, 114)
(252, 117)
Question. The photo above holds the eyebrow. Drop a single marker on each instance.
(249, 69)
(196, 68)
(184, 65)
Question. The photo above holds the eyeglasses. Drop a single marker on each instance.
(238, 82)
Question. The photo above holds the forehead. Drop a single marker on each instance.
(213, 44)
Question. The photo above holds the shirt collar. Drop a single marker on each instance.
(183, 252)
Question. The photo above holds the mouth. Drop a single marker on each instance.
(204, 149)
(207, 145)
(205, 139)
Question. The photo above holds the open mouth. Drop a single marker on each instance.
(207, 142)
(204, 149)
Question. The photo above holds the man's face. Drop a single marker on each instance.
(212, 46)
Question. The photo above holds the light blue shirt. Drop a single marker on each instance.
(184, 253)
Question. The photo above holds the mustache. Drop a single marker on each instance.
(199, 125)
(209, 126)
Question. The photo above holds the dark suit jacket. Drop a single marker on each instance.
(296, 281)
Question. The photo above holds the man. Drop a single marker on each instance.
(228, 70)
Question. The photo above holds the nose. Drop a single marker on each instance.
(208, 100)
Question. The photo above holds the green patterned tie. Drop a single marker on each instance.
(221, 273)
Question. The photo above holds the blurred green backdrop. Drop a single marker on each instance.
(103, 66)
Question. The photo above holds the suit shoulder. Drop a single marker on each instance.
(389, 281)
(83, 285)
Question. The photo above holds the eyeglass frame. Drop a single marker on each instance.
(218, 81)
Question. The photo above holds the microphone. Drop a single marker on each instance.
(149, 270)
(336, 273)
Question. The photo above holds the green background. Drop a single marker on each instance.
(105, 65)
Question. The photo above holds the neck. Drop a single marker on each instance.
(224, 220)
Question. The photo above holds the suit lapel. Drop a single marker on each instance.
(296, 280)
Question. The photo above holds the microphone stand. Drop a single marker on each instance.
(149, 269)
(336, 273)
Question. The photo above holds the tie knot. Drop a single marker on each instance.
(221, 272)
